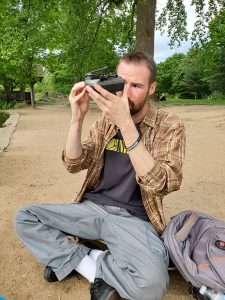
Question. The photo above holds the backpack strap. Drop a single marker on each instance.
(184, 231)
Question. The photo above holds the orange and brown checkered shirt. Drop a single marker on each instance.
(163, 136)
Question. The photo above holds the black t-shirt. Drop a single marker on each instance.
(117, 185)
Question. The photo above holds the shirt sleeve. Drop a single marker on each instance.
(168, 152)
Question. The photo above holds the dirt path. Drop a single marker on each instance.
(31, 172)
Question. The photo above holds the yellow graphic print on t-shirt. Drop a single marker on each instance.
(116, 145)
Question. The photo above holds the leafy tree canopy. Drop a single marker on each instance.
(173, 19)
(71, 38)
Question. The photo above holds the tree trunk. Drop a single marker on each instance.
(32, 96)
(22, 92)
(145, 26)
(8, 91)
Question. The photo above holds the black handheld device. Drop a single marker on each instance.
(111, 82)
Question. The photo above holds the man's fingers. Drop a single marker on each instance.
(87, 96)
(100, 105)
(102, 91)
(119, 93)
(78, 85)
(81, 94)
(95, 95)
(78, 96)
(77, 88)
(106, 94)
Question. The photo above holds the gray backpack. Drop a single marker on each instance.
(196, 244)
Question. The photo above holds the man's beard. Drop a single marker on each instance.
(133, 108)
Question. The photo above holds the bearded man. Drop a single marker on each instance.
(133, 156)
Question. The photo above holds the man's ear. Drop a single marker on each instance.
(152, 88)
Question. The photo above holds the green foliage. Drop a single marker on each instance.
(199, 73)
(215, 72)
(218, 95)
(3, 117)
(214, 51)
(91, 37)
(47, 84)
(184, 75)
(168, 21)
(6, 105)
(26, 30)
(193, 78)
(166, 73)
(173, 19)
(71, 38)
(204, 101)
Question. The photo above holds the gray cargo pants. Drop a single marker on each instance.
(135, 264)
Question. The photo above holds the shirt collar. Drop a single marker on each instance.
(151, 116)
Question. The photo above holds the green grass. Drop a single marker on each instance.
(3, 117)
(176, 101)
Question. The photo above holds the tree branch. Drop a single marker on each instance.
(105, 5)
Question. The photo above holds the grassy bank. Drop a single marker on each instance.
(3, 117)
(176, 101)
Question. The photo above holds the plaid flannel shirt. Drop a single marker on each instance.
(163, 135)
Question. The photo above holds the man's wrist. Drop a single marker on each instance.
(130, 135)
(76, 123)
(127, 125)
(135, 143)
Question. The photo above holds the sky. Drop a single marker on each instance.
(162, 50)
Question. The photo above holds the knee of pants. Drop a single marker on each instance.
(150, 288)
(23, 217)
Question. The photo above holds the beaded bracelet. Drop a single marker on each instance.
(135, 143)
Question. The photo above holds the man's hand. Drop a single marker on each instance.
(115, 107)
(79, 101)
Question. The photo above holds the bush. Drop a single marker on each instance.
(217, 95)
(7, 105)
(186, 95)
(3, 117)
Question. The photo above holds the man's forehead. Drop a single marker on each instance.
(131, 69)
